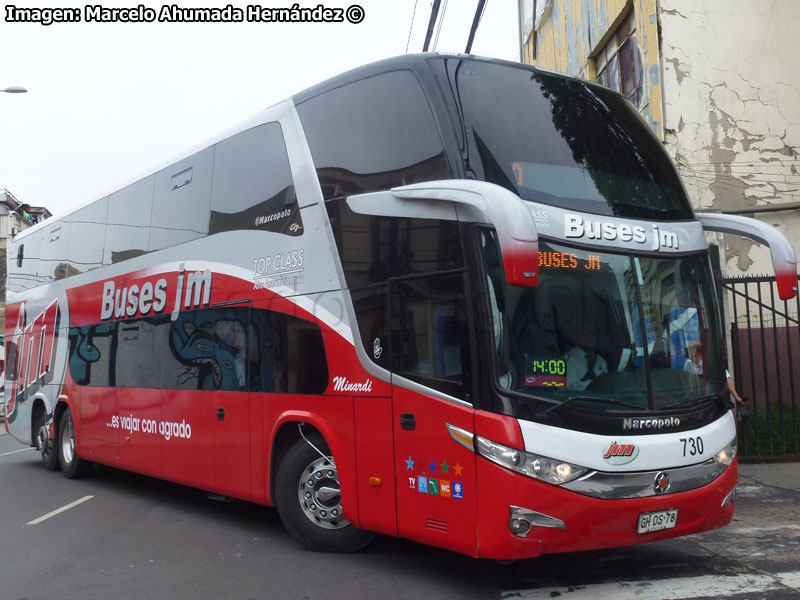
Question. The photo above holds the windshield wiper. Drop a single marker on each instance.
(697, 399)
(613, 401)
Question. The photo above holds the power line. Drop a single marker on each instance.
(441, 21)
(414, 14)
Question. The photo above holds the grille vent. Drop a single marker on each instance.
(436, 525)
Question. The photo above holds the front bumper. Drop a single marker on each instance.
(589, 523)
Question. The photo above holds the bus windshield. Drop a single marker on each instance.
(607, 331)
(562, 142)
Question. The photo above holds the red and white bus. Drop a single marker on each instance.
(438, 297)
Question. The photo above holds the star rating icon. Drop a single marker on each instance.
(409, 464)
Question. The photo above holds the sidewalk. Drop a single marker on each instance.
(784, 475)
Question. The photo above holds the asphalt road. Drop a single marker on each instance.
(130, 537)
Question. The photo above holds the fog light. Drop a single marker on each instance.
(729, 499)
(521, 520)
(519, 526)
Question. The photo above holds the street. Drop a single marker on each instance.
(129, 536)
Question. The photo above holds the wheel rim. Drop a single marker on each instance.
(43, 440)
(68, 441)
(320, 495)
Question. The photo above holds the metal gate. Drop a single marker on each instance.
(765, 346)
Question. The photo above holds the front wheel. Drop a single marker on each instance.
(71, 466)
(309, 499)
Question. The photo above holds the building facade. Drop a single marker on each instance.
(15, 216)
(717, 83)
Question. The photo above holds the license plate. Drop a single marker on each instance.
(657, 521)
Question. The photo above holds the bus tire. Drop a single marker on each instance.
(71, 466)
(48, 449)
(309, 501)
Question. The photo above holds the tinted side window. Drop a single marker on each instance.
(205, 350)
(88, 232)
(132, 357)
(430, 332)
(54, 251)
(373, 134)
(23, 270)
(91, 349)
(128, 227)
(293, 355)
(373, 248)
(181, 198)
(226, 349)
(253, 186)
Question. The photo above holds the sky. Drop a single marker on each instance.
(108, 103)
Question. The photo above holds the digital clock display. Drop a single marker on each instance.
(548, 372)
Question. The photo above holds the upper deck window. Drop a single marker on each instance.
(563, 142)
(253, 186)
(373, 134)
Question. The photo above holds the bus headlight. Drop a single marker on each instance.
(539, 467)
(727, 454)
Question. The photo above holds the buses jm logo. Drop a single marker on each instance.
(33, 347)
(620, 453)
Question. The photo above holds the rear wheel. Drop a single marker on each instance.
(47, 448)
(309, 500)
(71, 466)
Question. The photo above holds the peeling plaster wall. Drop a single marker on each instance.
(732, 111)
(572, 31)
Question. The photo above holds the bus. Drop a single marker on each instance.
(438, 297)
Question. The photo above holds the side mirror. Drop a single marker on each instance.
(471, 200)
(516, 231)
(784, 259)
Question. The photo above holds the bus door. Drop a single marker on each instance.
(206, 422)
(234, 345)
(436, 480)
(139, 407)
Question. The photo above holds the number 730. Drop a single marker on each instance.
(692, 446)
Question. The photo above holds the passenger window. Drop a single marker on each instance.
(253, 187)
(54, 251)
(373, 134)
(293, 355)
(91, 354)
(181, 212)
(204, 350)
(128, 223)
(132, 356)
(219, 349)
(86, 236)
